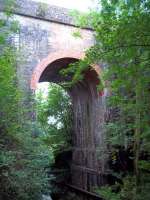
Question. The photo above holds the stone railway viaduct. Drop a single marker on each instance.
(47, 44)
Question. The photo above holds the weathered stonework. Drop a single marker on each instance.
(46, 45)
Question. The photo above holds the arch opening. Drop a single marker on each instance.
(54, 122)
(88, 117)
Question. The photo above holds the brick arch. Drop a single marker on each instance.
(88, 115)
(51, 58)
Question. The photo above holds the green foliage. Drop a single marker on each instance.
(127, 190)
(54, 115)
(121, 30)
(80, 20)
(77, 34)
(9, 5)
(22, 169)
(107, 193)
(42, 9)
(76, 70)
(54, 120)
(23, 159)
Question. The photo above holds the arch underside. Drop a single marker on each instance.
(88, 113)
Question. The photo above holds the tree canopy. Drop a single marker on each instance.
(122, 48)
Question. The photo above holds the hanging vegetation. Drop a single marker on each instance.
(123, 47)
